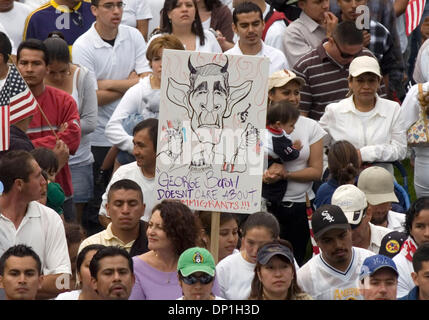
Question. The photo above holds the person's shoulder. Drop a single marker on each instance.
(273, 51)
(362, 253)
(129, 167)
(229, 260)
(60, 95)
(21, 7)
(36, 207)
(40, 13)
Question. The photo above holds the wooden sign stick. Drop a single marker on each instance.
(214, 236)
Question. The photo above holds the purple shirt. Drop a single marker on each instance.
(152, 284)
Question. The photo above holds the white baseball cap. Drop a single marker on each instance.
(282, 77)
(364, 64)
(377, 184)
(352, 201)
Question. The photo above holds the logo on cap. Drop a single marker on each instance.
(392, 246)
(327, 216)
(197, 258)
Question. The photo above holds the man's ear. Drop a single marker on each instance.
(94, 284)
(41, 277)
(415, 278)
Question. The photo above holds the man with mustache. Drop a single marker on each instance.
(248, 24)
(112, 273)
(334, 273)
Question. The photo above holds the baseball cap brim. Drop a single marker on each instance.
(331, 227)
(197, 268)
(354, 217)
(264, 260)
(367, 273)
(375, 199)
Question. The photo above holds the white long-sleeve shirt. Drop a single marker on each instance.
(139, 99)
(380, 137)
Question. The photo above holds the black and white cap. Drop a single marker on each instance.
(328, 217)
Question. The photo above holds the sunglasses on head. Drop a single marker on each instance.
(205, 279)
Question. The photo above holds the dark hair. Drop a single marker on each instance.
(58, 49)
(246, 7)
(180, 224)
(82, 254)
(5, 46)
(282, 111)
(33, 44)
(166, 41)
(421, 255)
(110, 251)
(347, 33)
(257, 289)
(167, 27)
(206, 221)
(211, 4)
(420, 204)
(20, 250)
(95, 2)
(125, 184)
(15, 165)
(152, 125)
(74, 232)
(46, 159)
(343, 162)
(262, 219)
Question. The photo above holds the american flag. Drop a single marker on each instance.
(413, 15)
(16, 103)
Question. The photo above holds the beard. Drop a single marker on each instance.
(379, 218)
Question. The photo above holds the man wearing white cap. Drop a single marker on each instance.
(354, 204)
(378, 186)
(373, 125)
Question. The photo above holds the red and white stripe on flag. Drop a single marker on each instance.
(413, 15)
(4, 129)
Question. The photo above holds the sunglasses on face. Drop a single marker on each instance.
(205, 279)
(345, 55)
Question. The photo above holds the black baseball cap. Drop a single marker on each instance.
(391, 243)
(328, 217)
(268, 251)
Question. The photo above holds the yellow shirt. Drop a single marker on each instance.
(106, 238)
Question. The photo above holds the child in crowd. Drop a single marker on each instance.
(48, 162)
(281, 119)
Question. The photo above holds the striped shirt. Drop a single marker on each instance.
(325, 81)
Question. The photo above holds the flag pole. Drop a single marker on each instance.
(38, 106)
(309, 216)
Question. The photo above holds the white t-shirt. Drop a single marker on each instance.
(275, 33)
(3, 29)
(135, 10)
(405, 268)
(34, 4)
(235, 276)
(139, 99)
(15, 29)
(128, 54)
(396, 221)
(277, 58)
(323, 282)
(210, 45)
(133, 172)
(70, 295)
(43, 230)
(309, 132)
(155, 9)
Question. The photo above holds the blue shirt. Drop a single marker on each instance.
(325, 192)
(72, 23)
(412, 295)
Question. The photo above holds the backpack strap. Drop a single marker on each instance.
(272, 17)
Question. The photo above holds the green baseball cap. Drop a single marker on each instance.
(196, 260)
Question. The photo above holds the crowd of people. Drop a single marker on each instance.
(79, 218)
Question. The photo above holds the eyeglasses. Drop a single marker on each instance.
(111, 5)
(345, 55)
(205, 279)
